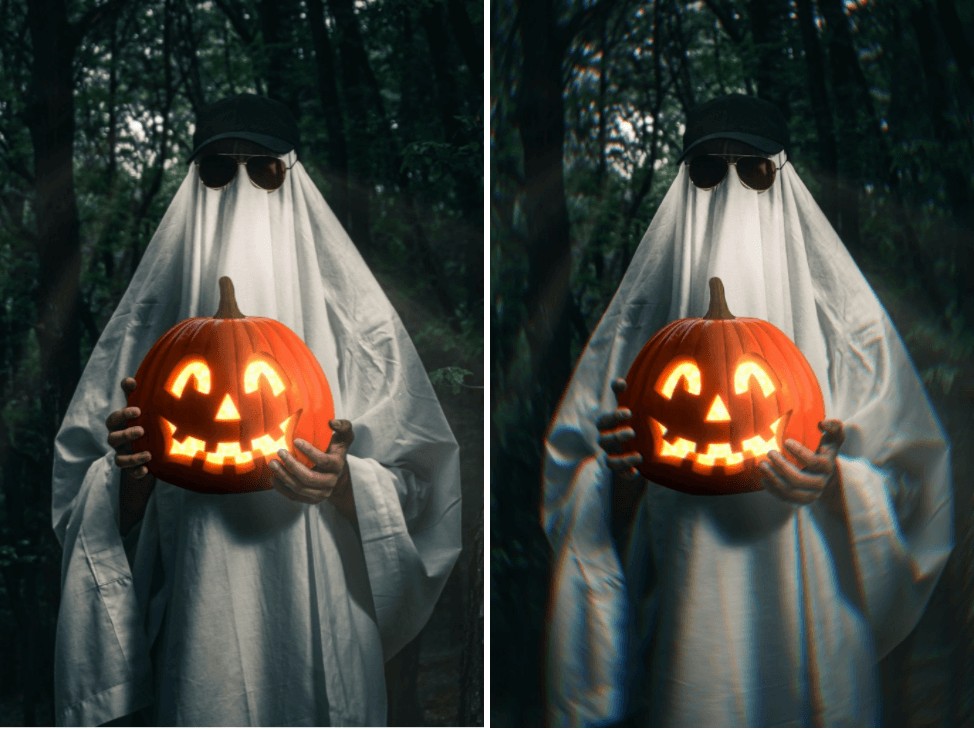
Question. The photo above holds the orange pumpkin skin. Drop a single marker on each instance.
(711, 396)
(220, 395)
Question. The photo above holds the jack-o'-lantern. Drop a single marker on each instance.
(219, 396)
(712, 396)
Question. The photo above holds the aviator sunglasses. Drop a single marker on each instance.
(755, 173)
(218, 169)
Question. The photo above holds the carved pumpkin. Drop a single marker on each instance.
(221, 395)
(711, 396)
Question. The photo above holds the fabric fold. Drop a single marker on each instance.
(251, 608)
(745, 610)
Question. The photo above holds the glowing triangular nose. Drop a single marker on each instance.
(718, 411)
(228, 411)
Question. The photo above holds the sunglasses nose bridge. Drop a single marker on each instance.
(263, 171)
(755, 173)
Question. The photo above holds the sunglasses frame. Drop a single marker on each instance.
(730, 160)
(242, 159)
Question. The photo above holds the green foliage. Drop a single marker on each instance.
(902, 149)
(140, 73)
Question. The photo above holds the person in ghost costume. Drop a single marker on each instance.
(276, 607)
(770, 607)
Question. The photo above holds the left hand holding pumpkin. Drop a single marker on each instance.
(329, 479)
(818, 476)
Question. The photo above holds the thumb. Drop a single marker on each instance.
(342, 436)
(833, 434)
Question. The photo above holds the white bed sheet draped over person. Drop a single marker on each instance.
(745, 610)
(253, 609)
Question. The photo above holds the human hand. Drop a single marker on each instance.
(121, 436)
(329, 478)
(817, 475)
(614, 436)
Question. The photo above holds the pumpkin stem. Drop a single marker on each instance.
(228, 302)
(718, 304)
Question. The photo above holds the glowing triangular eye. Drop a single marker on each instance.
(718, 411)
(258, 369)
(228, 411)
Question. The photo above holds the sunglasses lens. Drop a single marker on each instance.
(216, 171)
(756, 173)
(267, 172)
(706, 171)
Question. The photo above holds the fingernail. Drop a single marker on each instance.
(300, 443)
(282, 453)
(791, 443)
(274, 465)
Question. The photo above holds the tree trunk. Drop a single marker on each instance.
(470, 38)
(469, 189)
(364, 118)
(957, 243)
(768, 29)
(471, 711)
(821, 110)
(336, 169)
(960, 46)
(847, 81)
(51, 124)
(540, 115)
(276, 16)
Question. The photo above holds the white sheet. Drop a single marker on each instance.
(744, 610)
(255, 609)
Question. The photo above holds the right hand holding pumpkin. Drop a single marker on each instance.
(121, 436)
(614, 436)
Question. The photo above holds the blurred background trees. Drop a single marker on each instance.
(97, 100)
(588, 99)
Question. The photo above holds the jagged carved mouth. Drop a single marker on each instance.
(229, 453)
(680, 450)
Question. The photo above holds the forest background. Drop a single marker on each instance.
(588, 99)
(97, 100)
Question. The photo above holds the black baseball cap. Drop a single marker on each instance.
(747, 119)
(254, 118)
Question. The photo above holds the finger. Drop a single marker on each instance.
(117, 439)
(342, 436)
(303, 480)
(316, 455)
(807, 459)
(128, 385)
(117, 419)
(279, 484)
(295, 469)
(608, 421)
(129, 461)
(614, 441)
(619, 385)
(625, 462)
(774, 483)
(286, 478)
(833, 435)
(793, 476)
